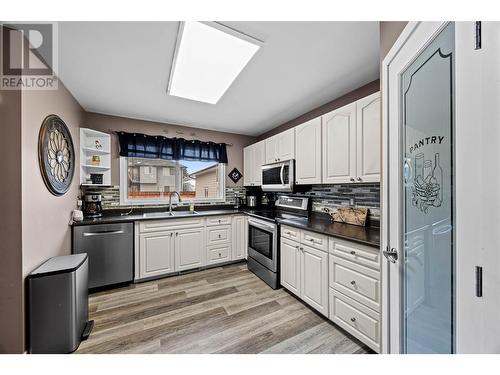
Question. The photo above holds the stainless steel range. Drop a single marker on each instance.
(263, 236)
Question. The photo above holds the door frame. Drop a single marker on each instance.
(415, 37)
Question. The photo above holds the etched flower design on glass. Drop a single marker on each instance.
(58, 155)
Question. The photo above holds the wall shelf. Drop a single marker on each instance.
(88, 140)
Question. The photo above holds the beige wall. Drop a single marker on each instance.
(389, 32)
(108, 123)
(45, 217)
(11, 297)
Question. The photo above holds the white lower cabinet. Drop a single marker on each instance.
(239, 237)
(314, 278)
(189, 248)
(156, 254)
(304, 272)
(357, 319)
(173, 245)
(290, 266)
(355, 291)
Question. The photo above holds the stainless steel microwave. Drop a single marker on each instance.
(278, 176)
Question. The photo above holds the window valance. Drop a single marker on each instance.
(160, 147)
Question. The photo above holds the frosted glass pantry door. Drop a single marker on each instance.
(427, 118)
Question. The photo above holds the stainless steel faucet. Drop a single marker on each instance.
(170, 200)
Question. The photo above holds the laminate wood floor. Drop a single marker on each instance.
(220, 310)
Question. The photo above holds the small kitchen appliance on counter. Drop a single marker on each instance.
(92, 205)
(251, 201)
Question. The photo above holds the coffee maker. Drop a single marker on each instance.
(92, 205)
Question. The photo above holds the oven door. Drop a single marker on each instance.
(262, 243)
(278, 177)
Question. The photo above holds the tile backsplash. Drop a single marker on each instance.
(333, 196)
(111, 197)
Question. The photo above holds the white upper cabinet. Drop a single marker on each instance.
(280, 147)
(308, 152)
(368, 138)
(351, 142)
(339, 145)
(254, 157)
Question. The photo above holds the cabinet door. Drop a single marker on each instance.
(239, 244)
(308, 152)
(156, 254)
(286, 145)
(339, 145)
(290, 266)
(259, 159)
(189, 248)
(271, 145)
(314, 278)
(368, 139)
(248, 165)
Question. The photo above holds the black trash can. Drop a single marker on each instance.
(58, 305)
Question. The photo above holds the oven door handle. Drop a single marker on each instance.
(261, 226)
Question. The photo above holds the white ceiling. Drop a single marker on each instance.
(122, 68)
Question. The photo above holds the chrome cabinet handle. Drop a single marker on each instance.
(353, 320)
(352, 179)
(219, 235)
(353, 282)
(176, 233)
(353, 252)
(359, 179)
(171, 234)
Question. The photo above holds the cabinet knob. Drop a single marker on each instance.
(353, 282)
(219, 235)
(176, 233)
(353, 252)
(359, 179)
(352, 179)
(220, 255)
(353, 320)
(171, 234)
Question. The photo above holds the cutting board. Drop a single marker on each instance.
(348, 215)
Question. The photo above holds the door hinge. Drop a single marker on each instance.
(477, 37)
(479, 281)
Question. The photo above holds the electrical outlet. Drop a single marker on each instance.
(351, 202)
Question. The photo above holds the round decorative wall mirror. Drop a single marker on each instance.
(56, 155)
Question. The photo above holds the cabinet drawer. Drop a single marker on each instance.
(316, 240)
(363, 255)
(217, 254)
(359, 320)
(169, 224)
(218, 220)
(358, 282)
(290, 233)
(219, 234)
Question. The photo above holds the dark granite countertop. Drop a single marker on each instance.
(114, 217)
(321, 223)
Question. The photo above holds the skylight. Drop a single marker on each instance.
(208, 58)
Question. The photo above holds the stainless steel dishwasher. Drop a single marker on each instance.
(110, 248)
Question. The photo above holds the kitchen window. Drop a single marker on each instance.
(151, 181)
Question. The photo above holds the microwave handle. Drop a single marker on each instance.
(281, 174)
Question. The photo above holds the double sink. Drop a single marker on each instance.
(170, 214)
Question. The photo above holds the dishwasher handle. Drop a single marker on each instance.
(102, 233)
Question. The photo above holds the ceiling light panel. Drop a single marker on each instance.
(207, 60)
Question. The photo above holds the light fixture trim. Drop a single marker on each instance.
(183, 70)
